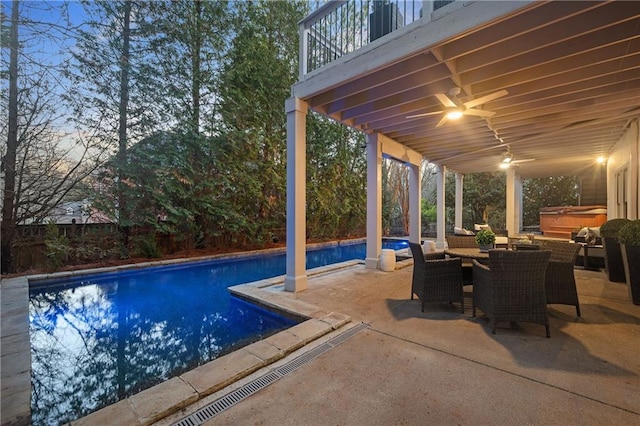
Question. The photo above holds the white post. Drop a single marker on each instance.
(514, 203)
(415, 216)
(303, 34)
(440, 206)
(519, 205)
(296, 274)
(458, 206)
(633, 190)
(374, 201)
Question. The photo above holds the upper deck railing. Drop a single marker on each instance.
(341, 27)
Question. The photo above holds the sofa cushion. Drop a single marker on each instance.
(462, 231)
(481, 227)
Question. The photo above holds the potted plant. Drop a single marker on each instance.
(629, 237)
(612, 254)
(485, 239)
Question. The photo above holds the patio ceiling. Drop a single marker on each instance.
(571, 69)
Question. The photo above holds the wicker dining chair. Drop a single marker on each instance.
(464, 241)
(436, 279)
(512, 287)
(560, 281)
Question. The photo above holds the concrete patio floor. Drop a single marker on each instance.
(442, 367)
(389, 363)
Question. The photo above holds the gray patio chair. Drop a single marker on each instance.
(436, 279)
(464, 241)
(512, 287)
(560, 281)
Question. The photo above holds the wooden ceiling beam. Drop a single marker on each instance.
(417, 64)
(555, 35)
(530, 20)
(530, 70)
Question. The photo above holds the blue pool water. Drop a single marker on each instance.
(96, 339)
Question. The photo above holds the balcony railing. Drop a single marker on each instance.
(341, 27)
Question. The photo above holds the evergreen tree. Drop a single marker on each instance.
(546, 192)
(336, 179)
(191, 43)
(256, 78)
(115, 93)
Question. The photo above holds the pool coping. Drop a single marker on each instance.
(169, 397)
(166, 398)
(177, 261)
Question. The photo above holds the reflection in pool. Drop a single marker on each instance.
(97, 339)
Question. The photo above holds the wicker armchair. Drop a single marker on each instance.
(461, 241)
(464, 241)
(436, 279)
(560, 281)
(512, 287)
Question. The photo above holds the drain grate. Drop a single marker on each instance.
(232, 398)
(347, 334)
(303, 359)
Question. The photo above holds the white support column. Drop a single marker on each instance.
(519, 203)
(415, 216)
(459, 192)
(296, 274)
(633, 195)
(440, 206)
(303, 37)
(514, 202)
(374, 201)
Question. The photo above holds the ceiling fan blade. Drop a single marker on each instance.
(425, 114)
(445, 100)
(522, 161)
(484, 99)
(479, 112)
(443, 120)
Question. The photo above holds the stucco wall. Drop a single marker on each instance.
(626, 153)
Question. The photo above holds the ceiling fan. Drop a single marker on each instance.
(508, 160)
(454, 108)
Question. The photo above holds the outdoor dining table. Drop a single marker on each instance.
(467, 253)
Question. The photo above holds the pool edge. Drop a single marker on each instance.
(264, 292)
(167, 398)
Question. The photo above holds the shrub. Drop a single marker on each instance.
(57, 246)
(485, 237)
(610, 228)
(146, 246)
(629, 234)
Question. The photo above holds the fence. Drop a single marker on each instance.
(94, 243)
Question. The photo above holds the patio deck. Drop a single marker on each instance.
(436, 367)
(401, 366)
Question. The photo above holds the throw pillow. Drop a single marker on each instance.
(461, 231)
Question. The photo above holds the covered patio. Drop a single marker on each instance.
(554, 86)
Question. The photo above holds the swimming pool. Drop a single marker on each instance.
(96, 339)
